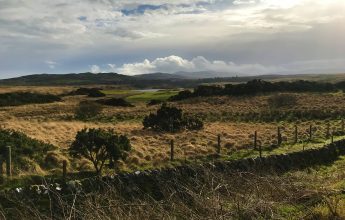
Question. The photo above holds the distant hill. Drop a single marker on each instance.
(160, 76)
(68, 79)
(204, 74)
(155, 80)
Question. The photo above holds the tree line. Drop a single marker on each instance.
(23, 98)
(257, 86)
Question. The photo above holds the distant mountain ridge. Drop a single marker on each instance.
(160, 76)
(154, 80)
(67, 79)
(205, 74)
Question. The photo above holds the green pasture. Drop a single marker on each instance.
(119, 92)
(141, 96)
(146, 96)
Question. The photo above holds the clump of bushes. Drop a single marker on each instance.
(99, 146)
(185, 94)
(281, 100)
(171, 119)
(23, 147)
(87, 110)
(255, 87)
(154, 102)
(90, 92)
(23, 98)
(95, 94)
(115, 102)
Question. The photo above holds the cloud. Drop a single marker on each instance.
(51, 64)
(95, 69)
(244, 2)
(255, 35)
(173, 64)
(140, 9)
(112, 67)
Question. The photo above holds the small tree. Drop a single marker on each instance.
(98, 146)
(171, 119)
(87, 110)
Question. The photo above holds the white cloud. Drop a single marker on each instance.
(51, 64)
(112, 67)
(244, 2)
(95, 69)
(173, 64)
(76, 33)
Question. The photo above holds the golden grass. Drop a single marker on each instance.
(50, 123)
(56, 90)
(152, 148)
(215, 107)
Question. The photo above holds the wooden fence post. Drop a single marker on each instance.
(172, 150)
(328, 130)
(255, 139)
(296, 134)
(332, 138)
(218, 145)
(279, 136)
(64, 170)
(260, 151)
(310, 132)
(8, 162)
(1, 165)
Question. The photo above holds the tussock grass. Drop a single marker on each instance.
(314, 193)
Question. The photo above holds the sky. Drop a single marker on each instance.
(237, 37)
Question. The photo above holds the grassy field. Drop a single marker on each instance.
(161, 95)
(313, 193)
(235, 119)
(228, 116)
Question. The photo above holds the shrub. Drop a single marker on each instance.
(282, 100)
(154, 102)
(171, 119)
(84, 91)
(258, 86)
(115, 102)
(193, 123)
(95, 93)
(87, 110)
(23, 98)
(185, 94)
(98, 145)
(23, 147)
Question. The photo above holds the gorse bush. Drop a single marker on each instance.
(185, 94)
(255, 87)
(99, 145)
(23, 98)
(23, 147)
(154, 102)
(84, 91)
(120, 102)
(87, 110)
(171, 119)
(94, 93)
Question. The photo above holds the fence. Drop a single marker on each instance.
(218, 151)
(329, 135)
